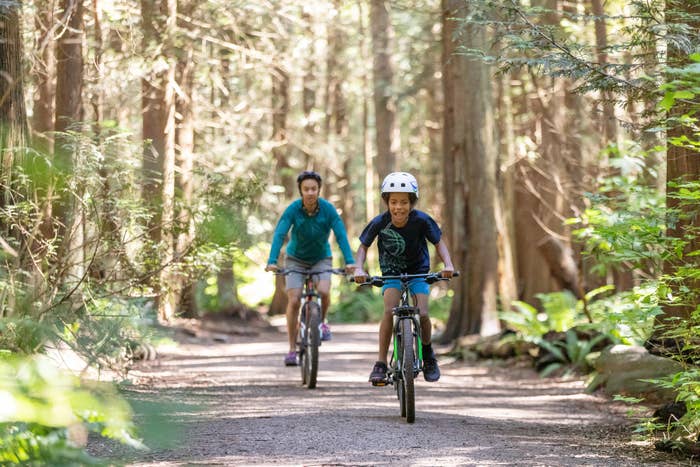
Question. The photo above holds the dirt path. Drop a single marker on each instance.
(237, 405)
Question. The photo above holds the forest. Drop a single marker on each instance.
(149, 147)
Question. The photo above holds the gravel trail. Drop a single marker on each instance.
(234, 403)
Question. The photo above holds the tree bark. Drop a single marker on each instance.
(683, 165)
(482, 154)
(45, 93)
(456, 188)
(153, 118)
(69, 113)
(383, 75)
(13, 117)
(185, 134)
(167, 303)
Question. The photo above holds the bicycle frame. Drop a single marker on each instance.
(402, 312)
(309, 321)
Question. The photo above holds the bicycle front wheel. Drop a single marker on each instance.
(407, 363)
(312, 340)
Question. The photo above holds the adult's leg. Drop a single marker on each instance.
(293, 302)
(324, 288)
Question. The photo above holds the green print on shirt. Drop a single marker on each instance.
(393, 258)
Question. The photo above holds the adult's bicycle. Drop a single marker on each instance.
(309, 323)
(407, 357)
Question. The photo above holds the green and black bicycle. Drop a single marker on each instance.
(407, 358)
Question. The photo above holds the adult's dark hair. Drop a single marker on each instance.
(308, 174)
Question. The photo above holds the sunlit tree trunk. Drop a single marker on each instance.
(69, 113)
(454, 159)
(481, 150)
(370, 175)
(158, 102)
(609, 122)
(284, 173)
(505, 216)
(383, 76)
(13, 133)
(13, 117)
(167, 302)
(308, 99)
(45, 72)
(185, 148)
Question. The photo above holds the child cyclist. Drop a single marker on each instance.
(402, 233)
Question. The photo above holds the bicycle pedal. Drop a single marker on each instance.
(380, 383)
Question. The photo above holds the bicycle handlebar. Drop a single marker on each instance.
(430, 278)
(284, 272)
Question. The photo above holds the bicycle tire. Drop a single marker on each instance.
(313, 341)
(407, 366)
(301, 343)
(396, 371)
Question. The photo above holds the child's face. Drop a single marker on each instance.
(399, 207)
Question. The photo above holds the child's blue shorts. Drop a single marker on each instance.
(416, 286)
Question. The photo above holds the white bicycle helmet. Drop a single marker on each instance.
(400, 182)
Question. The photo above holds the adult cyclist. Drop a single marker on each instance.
(402, 233)
(311, 219)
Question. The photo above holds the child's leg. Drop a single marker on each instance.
(391, 299)
(426, 328)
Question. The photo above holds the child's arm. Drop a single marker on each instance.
(361, 256)
(444, 254)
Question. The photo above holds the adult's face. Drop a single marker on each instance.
(309, 191)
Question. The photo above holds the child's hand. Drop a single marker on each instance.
(360, 276)
(446, 273)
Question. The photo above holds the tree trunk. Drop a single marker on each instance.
(69, 68)
(158, 103)
(370, 178)
(683, 165)
(167, 303)
(384, 107)
(454, 158)
(482, 153)
(69, 112)
(505, 218)
(13, 117)
(609, 121)
(45, 72)
(185, 133)
(280, 109)
(153, 119)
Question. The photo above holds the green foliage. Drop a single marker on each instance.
(560, 312)
(526, 320)
(42, 404)
(625, 225)
(358, 306)
(570, 355)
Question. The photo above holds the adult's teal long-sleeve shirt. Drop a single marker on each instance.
(310, 233)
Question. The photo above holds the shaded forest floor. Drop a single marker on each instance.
(226, 399)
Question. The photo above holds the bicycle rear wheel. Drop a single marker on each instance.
(310, 344)
(407, 364)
